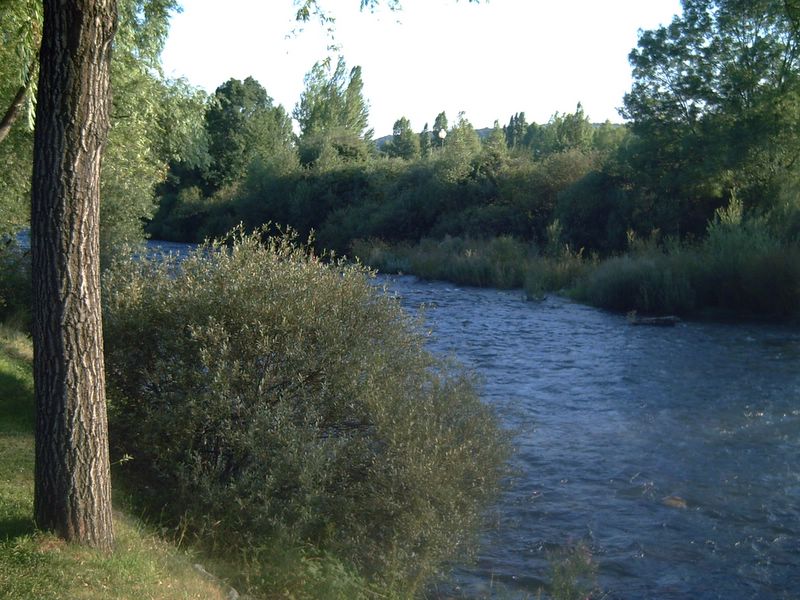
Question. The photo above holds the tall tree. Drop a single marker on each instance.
(333, 98)
(333, 115)
(462, 147)
(404, 143)
(715, 104)
(72, 494)
(439, 130)
(243, 124)
(515, 130)
(425, 142)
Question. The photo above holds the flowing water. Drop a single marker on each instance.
(610, 420)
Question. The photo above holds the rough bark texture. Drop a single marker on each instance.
(72, 479)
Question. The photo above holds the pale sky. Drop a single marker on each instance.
(489, 60)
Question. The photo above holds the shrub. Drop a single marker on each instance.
(555, 272)
(649, 284)
(272, 397)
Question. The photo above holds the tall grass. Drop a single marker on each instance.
(742, 267)
(502, 262)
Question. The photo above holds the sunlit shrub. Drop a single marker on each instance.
(269, 396)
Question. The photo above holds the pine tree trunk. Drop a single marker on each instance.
(72, 477)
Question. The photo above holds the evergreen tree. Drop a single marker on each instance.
(425, 142)
(404, 143)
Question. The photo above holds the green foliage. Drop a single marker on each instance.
(332, 114)
(564, 132)
(439, 130)
(646, 284)
(333, 117)
(715, 103)
(461, 146)
(516, 130)
(740, 268)
(595, 212)
(404, 143)
(502, 262)
(38, 566)
(243, 125)
(574, 574)
(271, 397)
(20, 33)
(136, 154)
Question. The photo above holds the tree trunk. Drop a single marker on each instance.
(72, 478)
(13, 112)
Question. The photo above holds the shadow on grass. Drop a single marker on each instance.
(16, 527)
(16, 406)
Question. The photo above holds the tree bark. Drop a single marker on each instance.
(12, 114)
(72, 494)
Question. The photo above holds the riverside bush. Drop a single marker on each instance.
(649, 284)
(267, 396)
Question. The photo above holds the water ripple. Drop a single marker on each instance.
(610, 421)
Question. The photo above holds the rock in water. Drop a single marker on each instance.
(674, 501)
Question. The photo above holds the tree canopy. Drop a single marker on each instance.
(715, 102)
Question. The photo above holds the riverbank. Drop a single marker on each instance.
(38, 566)
(736, 273)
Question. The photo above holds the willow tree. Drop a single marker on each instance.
(72, 494)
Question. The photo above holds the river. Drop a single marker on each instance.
(610, 420)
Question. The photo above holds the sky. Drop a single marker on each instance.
(489, 60)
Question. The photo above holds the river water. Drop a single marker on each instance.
(610, 420)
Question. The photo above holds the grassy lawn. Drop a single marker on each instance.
(36, 565)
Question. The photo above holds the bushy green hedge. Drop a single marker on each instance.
(268, 396)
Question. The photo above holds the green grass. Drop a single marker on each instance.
(37, 565)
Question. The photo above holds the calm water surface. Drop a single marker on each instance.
(610, 420)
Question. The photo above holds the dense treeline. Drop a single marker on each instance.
(714, 120)
(713, 117)
(445, 181)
